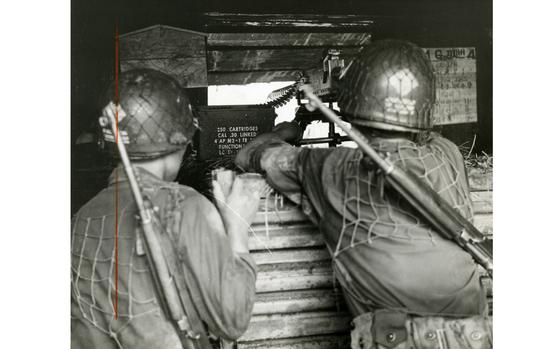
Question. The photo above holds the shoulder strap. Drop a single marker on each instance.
(191, 330)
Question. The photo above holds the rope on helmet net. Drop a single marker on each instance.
(277, 198)
(266, 214)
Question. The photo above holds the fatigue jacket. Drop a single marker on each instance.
(385, 255)
(221, 284)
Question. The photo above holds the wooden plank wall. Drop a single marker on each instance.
(175, 51)
(240, 58)
(298, 304)
(217, 21)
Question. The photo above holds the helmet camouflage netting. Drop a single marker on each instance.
(155, 115)
(390, 85)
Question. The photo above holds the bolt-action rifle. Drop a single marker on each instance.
(447, 221)
(166, 274)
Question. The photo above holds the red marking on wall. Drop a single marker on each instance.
(116, 302)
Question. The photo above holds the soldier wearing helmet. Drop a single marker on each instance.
(157, 125)
(392, 265)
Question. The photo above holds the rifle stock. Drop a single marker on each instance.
(447, 221)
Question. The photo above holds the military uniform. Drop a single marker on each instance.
(221, 284)
(385, 255)
(115, 303)
(401, 279)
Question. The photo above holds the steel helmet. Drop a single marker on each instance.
(155, 115)
(391, 86)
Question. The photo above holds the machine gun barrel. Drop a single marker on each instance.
(447, 221)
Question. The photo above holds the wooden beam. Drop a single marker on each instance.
(302, 277)
(287, 39)
(482, 201)
(284, 236)
(296, 325)
(484, 223)
(479, 181)
(296, 21)
(290, 256)
(280, 217)
(297, 301)
(269, 59)
(243, 78)
(482, 207)
(276, 218)
(336, 341)
(488, 284)
(161, 41)
(190, 72)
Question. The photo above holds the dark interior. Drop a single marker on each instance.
(428, 23)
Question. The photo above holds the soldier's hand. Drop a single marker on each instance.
(290, 132)
(239, 206)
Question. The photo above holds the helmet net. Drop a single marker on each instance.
(372, 210)
(155, 115)
(391, 85)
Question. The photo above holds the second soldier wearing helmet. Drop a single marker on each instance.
(391, 264)
(156, 126)
(390, 87)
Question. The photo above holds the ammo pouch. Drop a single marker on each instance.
(398, 330)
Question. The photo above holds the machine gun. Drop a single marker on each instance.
(323, 81)
(447, 221)
(167, 275)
